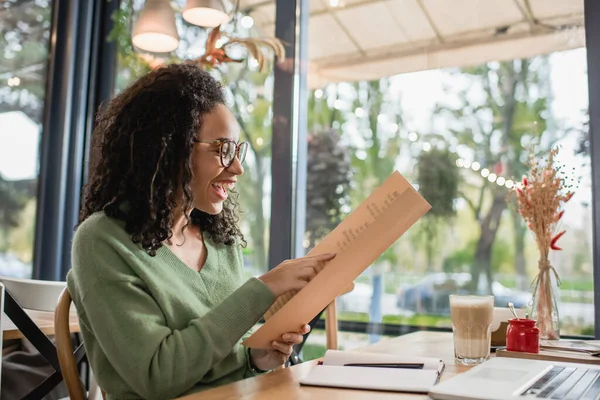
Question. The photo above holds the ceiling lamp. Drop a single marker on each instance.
(155, 30)
(206, 13)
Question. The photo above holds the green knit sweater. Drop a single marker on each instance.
(154, 328)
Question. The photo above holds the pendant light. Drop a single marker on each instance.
(205, 13)
(155, 30)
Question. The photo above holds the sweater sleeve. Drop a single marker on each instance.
(155, 360)
(159, 362)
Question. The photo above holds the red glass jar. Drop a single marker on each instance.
(522, 335)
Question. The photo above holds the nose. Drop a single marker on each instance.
(236, 167)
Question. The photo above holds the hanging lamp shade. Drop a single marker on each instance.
(155, 30)
(206, 13)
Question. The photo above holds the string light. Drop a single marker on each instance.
(247, 21)
(14, 81)
(466, 164)
(484, 172)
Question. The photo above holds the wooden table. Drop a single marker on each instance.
(283, 384)
(43, 319)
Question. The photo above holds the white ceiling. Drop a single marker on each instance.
(368, 39)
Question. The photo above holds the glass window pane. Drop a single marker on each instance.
(25, 32)
(250, 96)
(454, 96)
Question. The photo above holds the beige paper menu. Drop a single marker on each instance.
(358, 241)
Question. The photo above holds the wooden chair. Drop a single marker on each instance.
(66, 354)
(331, 326)
(331, 322)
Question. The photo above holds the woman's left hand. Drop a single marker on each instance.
(282, 349)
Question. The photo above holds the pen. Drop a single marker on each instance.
(387, 365)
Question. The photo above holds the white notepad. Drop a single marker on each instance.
(335, 372)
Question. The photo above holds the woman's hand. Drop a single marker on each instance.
(282, 349)
(294, 274)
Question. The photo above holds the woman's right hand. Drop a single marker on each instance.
(294, 274)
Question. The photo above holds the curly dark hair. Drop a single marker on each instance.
(142, 141)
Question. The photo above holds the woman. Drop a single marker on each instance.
(156, 264)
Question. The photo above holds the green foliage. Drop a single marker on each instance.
(587, 330)
(582, 259)
(327, 185)
(374, 162)
(415, 320)
(438, 180)
(13, 199)
(24, 29)
(501, 108)
(351, 316)
(503, 256)
(21, 237)
(418, 320)
(130, 65)
(11, 203)
(584, 285)
(321, 115)
(313, 351)
(460, 259)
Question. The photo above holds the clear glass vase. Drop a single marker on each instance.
(544, 307)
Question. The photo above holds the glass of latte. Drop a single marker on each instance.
(472, 327)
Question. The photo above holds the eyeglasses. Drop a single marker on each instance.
(228, 149)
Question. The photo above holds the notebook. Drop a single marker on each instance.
(386, 372)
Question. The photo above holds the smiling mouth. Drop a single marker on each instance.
(222, 187)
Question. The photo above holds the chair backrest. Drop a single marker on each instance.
(331, 321)
(64, 348)
(331, 326)
(34, 294)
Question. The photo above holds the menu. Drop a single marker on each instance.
(357, 241)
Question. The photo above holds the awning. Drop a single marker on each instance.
(370, 39)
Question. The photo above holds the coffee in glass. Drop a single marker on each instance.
(472, 327)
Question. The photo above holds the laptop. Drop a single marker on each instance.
(510, 378)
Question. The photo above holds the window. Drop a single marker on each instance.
(250, 96)
(25, 32)
(460, 91)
